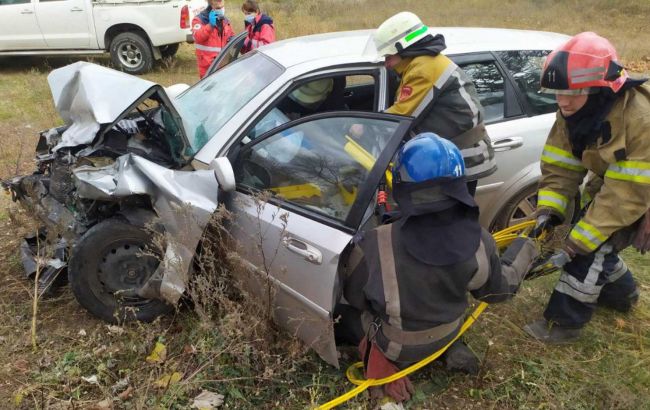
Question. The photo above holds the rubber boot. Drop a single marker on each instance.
(461, 358)
(622, 305)
(550, 333)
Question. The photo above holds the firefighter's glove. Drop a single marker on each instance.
(545, 224)
(642, 237)
(560, 259)
(564, 255)
(378, 366)
(212, 18)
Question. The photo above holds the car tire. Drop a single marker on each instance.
(107, 263)
(522, 207)
(168, 50)
(131, 53)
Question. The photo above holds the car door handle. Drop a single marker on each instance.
(76, 9)
(26, 12)
(507, 144)
(310, 253)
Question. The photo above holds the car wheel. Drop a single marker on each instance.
(522, 208)
(168, 50)
(519, 209)
(108, 264)
(132, 53)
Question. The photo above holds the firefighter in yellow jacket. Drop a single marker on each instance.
(603, 126)
(435, 91)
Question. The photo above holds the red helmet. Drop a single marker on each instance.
(587, 60)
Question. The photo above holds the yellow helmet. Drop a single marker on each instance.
(312, 93)
(399, 32)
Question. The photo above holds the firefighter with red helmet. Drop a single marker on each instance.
(211, 31)
(261, 30)
(603, 126)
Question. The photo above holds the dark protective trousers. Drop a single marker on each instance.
(599, 278)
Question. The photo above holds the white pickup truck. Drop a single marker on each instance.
(135, 32)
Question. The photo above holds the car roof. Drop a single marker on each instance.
(359, 45)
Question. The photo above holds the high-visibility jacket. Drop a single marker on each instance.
(620, 160)
(444, 101)
(417, 308)
(209, 40)
(260, 32)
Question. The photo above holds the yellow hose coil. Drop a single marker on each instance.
(503, 239)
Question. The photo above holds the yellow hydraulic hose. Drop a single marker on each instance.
(502, 238)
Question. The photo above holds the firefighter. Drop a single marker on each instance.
(410, 278)
(260, 27)
(211, 31)
(435, 91)
(602, 126)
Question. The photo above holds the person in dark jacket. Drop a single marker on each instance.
(408, 280)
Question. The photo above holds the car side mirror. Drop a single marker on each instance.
(224, 173)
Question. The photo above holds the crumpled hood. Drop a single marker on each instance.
(88, 96)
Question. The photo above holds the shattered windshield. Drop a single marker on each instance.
(212, 102)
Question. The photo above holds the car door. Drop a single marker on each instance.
(64, 23)
(228, 54)
(18, 26)
(302, 192)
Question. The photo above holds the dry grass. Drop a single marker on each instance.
(228, 351)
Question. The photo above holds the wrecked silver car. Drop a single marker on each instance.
(132, 163)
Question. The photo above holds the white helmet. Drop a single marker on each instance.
(399, 32)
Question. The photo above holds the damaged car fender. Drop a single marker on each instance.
(183, 200)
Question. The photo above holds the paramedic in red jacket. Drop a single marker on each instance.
(211, 30)
(260, 26)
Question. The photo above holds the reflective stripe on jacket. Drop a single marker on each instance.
(620, 163)
(419, 307)
(209, 40)
(261, 32)
(444, 100)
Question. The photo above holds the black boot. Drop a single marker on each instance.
(461, 358)
(550, 333)
(622, 305)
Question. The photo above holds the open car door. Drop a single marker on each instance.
(303, 190)
(230, 53)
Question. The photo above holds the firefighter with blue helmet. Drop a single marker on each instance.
(407, 281)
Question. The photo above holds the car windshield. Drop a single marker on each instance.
(212, 102)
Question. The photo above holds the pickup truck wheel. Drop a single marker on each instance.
(169, 50)
(132, 53)
(108, 264)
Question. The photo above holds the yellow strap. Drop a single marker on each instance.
(363, 157)
(297, 191)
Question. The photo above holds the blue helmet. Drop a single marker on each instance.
(428, 157)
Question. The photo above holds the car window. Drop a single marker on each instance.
(526, 69)
(490, 86)
(314, 165)
(8, 2)
(335, 93)
(230, 53)
(213, 101)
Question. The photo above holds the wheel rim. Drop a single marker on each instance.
(130, 55)
(524, 211)
(124, 267)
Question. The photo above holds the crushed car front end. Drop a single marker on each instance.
(120, 207)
